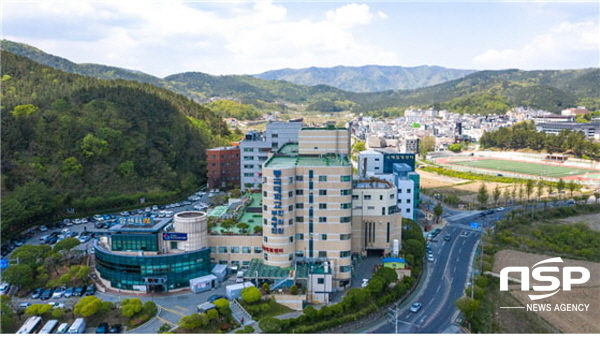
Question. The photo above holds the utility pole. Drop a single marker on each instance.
(394, 316)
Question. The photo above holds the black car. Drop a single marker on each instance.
(79, 291)
(47, 294)
(37, 293)
(91, 290)
(115, 328)
(213, 298)
(102, 328)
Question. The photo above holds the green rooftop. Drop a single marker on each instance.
(265, 271)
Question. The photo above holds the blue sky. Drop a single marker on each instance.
(249, 37)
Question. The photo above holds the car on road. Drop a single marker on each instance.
(430, 257)
(365, 283)
(102, 328)
(415, 307)
(447, 237)
(115, 328)
(37, 293)
(215, 297)
(500, 209)
(84, 239)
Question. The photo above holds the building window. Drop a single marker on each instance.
(299, 219)
(345, 236)
(408, 210)
(235, 249)
(290, 208)
(291, 238)
(322, 219)
(248, 174)
(274, 135)
(346, 205)
(345, 269)
(345, 219)
(248, 158)
(408, 190)
(222, 249)
(299, 236)
(290, 222)
(290, 180)
(322, 206)
(246, 250)
(371, 207)
(322, 253)
(324, 237)
(346, 178)
(391, 196)
(322, 178)
(376, 159)
(321, 280)
(299, 253)
(346, 192)
(299, 206)
(299, 192)
(299, 178)
(249, 149)
(290, 194)
(399, 190)
(367, 197)
(264, 207)
(311, 174)
(355, 197)
(265, 194)
(257, 250)
(408, 201)
(381, 197)
(322, 192)
(173, 245)
(345, 253)
(382, 210)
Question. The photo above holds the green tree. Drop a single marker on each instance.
(193, 321)
(482, 195)
(130, 307)
(415, 248)
(58, 313)
(294, 287)
(388, 274)
(18, 274)
(426, 145)
(270, 325)
(87, 306)
(467, 306)
(7, 316)
(38, 309)
(31, 255)
(540, 189)
(251, 295)
(376, 285)
(496, 194)
(212, 315)
(222, 305)
(455, 147)
(529, 185)
(266, 287)
(438, 210)
(66, 244)
(560, 185)
(571, 186)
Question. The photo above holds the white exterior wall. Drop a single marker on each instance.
(405, 198)
(370, 163)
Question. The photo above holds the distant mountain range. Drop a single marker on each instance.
(370, 78)
(461, 91)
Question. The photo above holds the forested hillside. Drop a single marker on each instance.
(75, 141)
(482, 92)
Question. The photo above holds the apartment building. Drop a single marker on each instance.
(223, 167)
(256, 147)
(376, 219)
(307, 203)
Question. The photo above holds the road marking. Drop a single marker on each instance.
(173, 311)
(182, 308)
(166, 321)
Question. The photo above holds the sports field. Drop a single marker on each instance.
(525, 168)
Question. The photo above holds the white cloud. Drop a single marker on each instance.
(562, 43)
(162, 37)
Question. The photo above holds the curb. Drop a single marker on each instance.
(147, 323)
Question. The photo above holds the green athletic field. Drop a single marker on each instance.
(524, 168)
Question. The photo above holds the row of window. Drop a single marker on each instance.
(290, 180)
(236, 250)
(323, 254)
(261, 158)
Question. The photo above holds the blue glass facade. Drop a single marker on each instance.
(175, 270)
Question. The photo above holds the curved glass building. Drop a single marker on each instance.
(154, 256)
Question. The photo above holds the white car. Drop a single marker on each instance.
(365, 283)
(43, 228)
(500, 208)
(4, 287)
(59, 292)
(415, 307)
(430, 257)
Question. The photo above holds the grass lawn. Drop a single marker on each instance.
(524, 168)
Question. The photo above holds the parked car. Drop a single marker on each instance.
(79, 291)
(215, 297)
(415, 307)
(91, 290)
(37, 293)
(430, 257)
(4, 288)
(69, 292)
(47, 294)
(59, 292)
(115, 328)
(43, 228)
(24, 305)
(102, 328)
